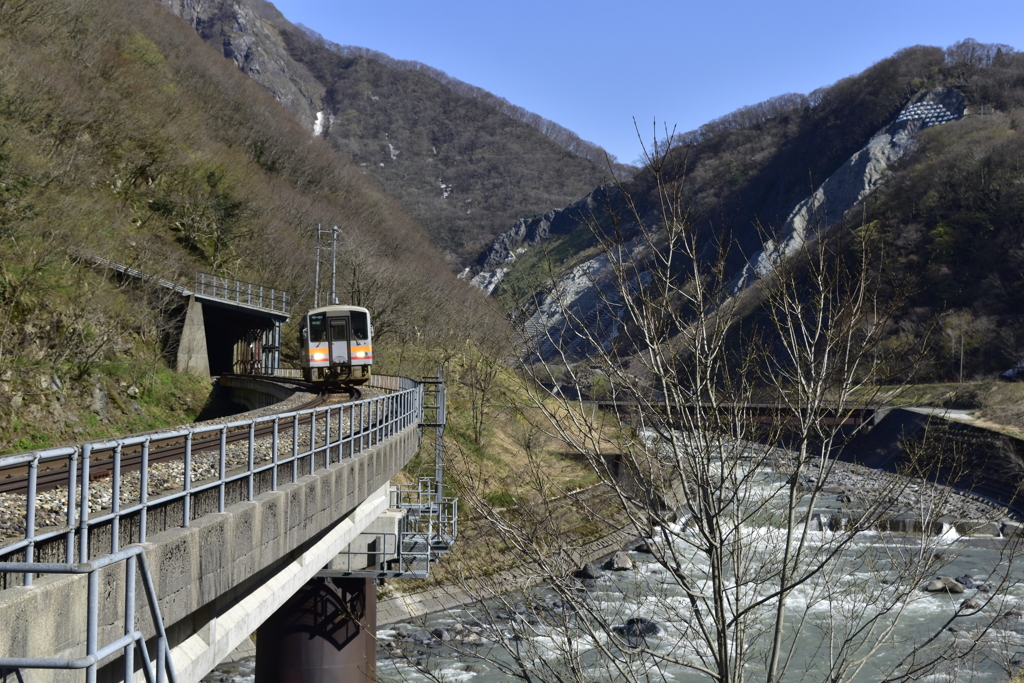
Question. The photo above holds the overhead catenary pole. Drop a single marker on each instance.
(334, 264)
(320, 230)
(316, 277)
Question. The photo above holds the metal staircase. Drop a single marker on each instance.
(422, 523)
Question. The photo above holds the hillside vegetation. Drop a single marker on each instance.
(466, 164)
(123, 135)
(947, 218)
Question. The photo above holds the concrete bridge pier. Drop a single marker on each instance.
(193, 357)
(324, 634)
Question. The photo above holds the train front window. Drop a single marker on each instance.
(360, 328)
(318, 329)
(339, 330)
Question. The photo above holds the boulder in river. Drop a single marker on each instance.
(970, 605)
(619, 562)
(944, 584)
(967, 581)
(587, 571)
(638, 627)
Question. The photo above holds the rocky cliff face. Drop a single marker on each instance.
(584, 306)
(249, 35)
(493, 264)
(861, 175)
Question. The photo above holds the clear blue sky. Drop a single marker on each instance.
(595, 66)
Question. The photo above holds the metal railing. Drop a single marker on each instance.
(244, 457)
(427, 512)
(133, 557)
(131, 272)
(208, 285)
(236, 461)
(427, 530)
(246, 293)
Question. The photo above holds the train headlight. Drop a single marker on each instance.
(318, 355)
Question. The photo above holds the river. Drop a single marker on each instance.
(875, 580)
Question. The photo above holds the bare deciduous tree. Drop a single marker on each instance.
(770, 558)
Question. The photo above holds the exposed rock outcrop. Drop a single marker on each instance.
(584, 309)
(861, 175)
(530, 231)
(247, 34)
(619, 562)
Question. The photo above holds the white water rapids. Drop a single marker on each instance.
(865, 580)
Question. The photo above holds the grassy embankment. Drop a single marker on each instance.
(517, 468)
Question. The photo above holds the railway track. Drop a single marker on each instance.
(54, 473)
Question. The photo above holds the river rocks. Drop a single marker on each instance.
(441, 634)
(967, 581)
(944, 584)
(1010, 619)
(642, 547)
(638, 627)
(970, 605)
(619, 562)
(587, 572)
(895, 503)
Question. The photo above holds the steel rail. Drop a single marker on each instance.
(369, 421)
(14, 476)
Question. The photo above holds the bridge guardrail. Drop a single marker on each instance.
(247, 293)
(320, 437)
(133, 557)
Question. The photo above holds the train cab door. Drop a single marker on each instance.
(339, 341)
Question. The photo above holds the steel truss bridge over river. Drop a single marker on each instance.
(152, 557)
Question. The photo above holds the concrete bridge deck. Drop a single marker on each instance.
(224, 554)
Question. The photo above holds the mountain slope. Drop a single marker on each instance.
(464, 168)
(122, 134)
(941, 197)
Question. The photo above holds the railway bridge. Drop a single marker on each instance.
(227, 326)
(152, 557)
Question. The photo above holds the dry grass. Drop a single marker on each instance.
(523, 473)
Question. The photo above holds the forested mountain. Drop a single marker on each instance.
(942, 197)
(466, 164)
(125, 136)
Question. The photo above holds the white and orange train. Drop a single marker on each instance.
(336, 345)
